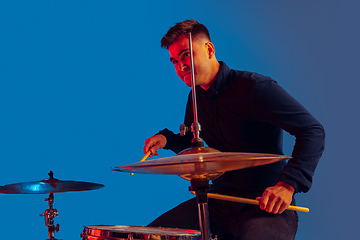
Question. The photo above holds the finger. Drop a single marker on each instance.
(283, 207)
(276, 207)
(147, 145)
(264, 201)
(270, 205)
(150, 145)
(155, 147)
(153, 151)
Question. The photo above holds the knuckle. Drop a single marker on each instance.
(267, 191)
(272, 195)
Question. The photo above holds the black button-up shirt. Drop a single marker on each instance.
(246, 112)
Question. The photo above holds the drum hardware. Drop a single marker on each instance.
(195, 127)
(51, 186)
(201, 187)
(49, 215)
(199, 165)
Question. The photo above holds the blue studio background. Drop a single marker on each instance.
(84, 83)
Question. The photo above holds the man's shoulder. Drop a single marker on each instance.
(247, 77)
(240, 79)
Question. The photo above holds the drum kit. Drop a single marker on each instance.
(199, 168)
(198, 164)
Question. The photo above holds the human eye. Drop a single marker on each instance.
(185, 55)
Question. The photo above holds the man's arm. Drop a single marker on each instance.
(276, 106)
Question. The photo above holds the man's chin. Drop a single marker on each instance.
(187, 80)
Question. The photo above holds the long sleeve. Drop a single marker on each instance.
(274, 105)
(175, 142)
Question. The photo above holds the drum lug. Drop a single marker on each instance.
(130, 237)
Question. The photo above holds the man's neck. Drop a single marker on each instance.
(213, 75)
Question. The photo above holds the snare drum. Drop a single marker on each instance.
(118, 232)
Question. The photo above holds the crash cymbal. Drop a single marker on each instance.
(201, 163)
(51, 185)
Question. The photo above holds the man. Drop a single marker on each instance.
(240, 111)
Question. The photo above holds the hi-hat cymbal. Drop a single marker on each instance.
(51, 185)
(202, 165)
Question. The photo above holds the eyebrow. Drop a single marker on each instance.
(180, 53)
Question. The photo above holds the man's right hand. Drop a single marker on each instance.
(154, 143)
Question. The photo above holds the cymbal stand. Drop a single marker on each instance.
(201, 187)
(49, 215)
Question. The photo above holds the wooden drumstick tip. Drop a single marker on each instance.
(143, 159)
(146, 156)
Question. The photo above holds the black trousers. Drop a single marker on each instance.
(229, 220)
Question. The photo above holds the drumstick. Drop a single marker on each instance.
(250, 201)
(144, 158)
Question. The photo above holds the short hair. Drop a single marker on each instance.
(197, 29)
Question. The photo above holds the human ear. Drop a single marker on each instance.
(210, 49)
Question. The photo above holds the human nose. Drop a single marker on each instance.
(183, 66)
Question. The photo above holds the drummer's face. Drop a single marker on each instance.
(180, 56)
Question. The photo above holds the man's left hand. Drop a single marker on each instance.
(277, 198)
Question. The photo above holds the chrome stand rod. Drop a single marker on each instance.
(195, 127)
(204, 221)
(193, 79)
(201, 187)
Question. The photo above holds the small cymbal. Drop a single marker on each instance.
(51, 185)
(201, 164)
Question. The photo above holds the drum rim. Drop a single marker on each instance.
(139, 232)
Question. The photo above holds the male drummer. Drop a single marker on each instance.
(240, 111)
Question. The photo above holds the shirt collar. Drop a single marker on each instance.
(217, 86)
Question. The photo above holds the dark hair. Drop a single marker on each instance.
(197, 29)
